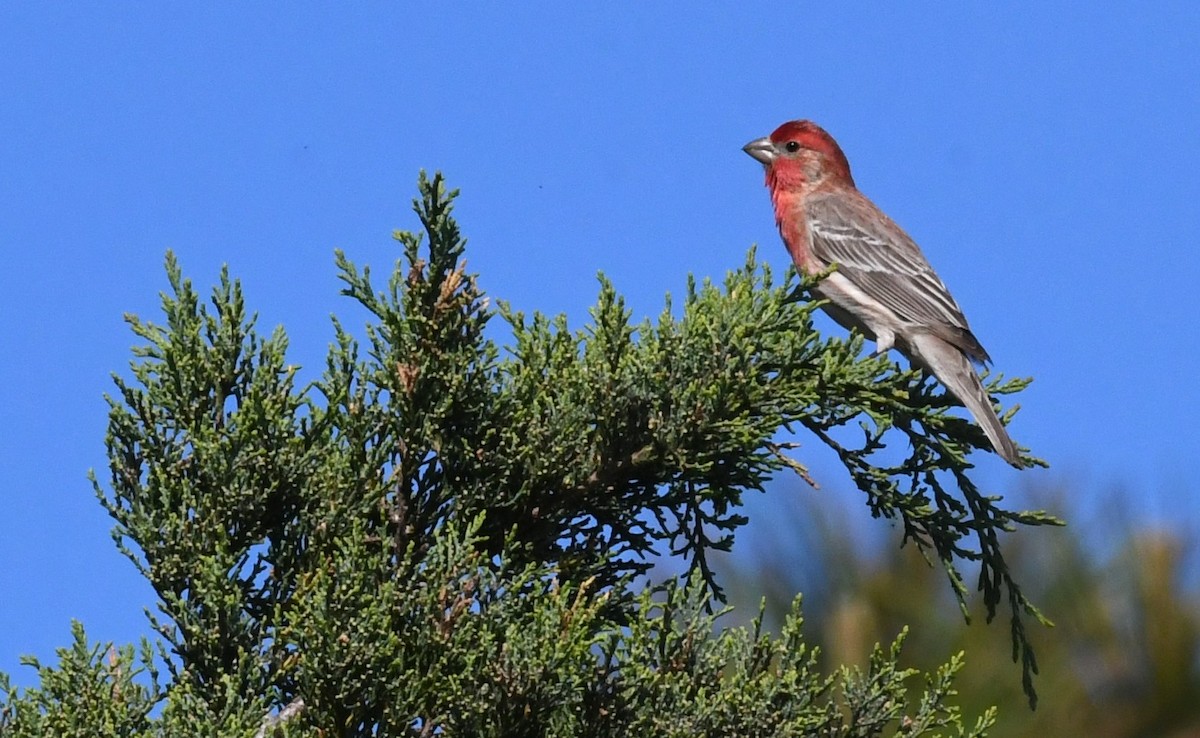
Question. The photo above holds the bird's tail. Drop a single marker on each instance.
(953, 369)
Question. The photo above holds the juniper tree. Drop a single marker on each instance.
(444, 536)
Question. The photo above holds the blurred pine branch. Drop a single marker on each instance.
(1124, 659)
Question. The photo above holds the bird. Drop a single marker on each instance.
(881, 283)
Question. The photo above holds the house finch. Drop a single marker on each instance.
(882, 285)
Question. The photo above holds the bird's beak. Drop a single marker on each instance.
(762, 149)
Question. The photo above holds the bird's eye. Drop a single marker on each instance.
(792, 147)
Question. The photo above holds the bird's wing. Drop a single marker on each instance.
(880, 259)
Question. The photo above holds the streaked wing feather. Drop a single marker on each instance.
(880, 259)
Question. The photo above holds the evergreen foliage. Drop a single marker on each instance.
(443, 537)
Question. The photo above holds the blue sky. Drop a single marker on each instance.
(1046, 159)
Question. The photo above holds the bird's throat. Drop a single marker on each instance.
(793, 228)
